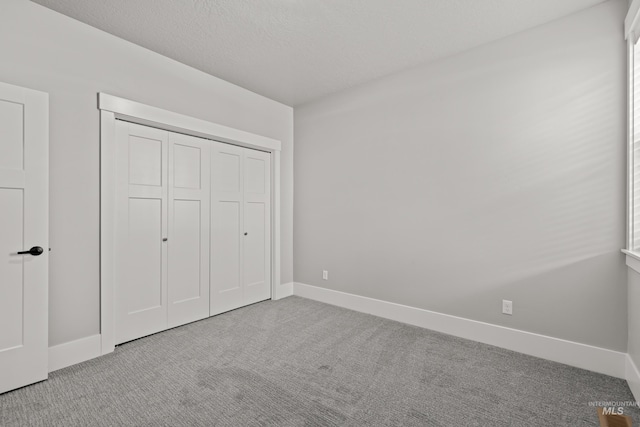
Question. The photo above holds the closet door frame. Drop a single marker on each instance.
(113, 108)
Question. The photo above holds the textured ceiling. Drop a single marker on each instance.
(295, 51)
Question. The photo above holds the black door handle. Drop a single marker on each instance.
(35, 251)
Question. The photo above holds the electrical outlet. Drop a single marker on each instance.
(507, 307)
(325, 275)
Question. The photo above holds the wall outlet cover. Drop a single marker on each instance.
(507, 307)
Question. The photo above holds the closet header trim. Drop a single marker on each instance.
(143, 114)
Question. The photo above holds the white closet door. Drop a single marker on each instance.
(141, 226)
(226, 228)
(257, 226)
(189, 195)
(24, 209)
(240, 227)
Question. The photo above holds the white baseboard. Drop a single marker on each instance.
(571, 353)
(284, 290)
(633, 378)
(70, 353)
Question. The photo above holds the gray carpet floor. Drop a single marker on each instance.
(297, 362)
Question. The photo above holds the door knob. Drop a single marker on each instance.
(246, 234)
(35, 251)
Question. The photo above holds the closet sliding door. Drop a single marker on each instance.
(162, 230)
(188, 258)
(256, 265)
(240, 227)
(141, 226)
(226, 228)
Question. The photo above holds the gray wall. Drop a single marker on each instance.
(495, 174)
(71, 61)
(634, 316)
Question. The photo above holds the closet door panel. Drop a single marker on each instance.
(227, 169)
(227, 246)
(256, 173)
(187, 162)
(140, 289)
(144, 262)
(254, 250)
(257, 226)
(189, 204)
(145, 161)
(226, 228)
(185, 251)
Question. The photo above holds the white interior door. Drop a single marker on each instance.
(24, 210)
(189, 195)
(240, 227)
(226, 228)
(140, 291)
(256, 264)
